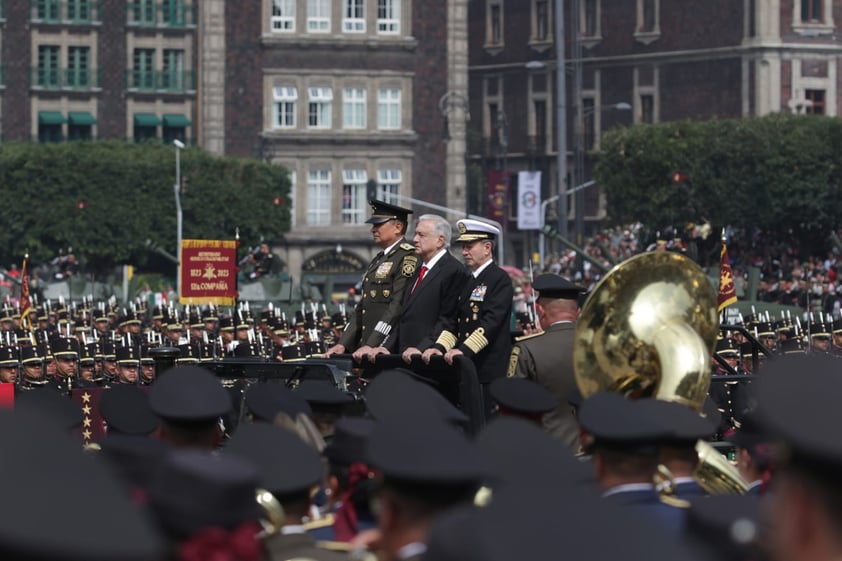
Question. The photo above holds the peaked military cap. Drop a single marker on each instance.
(521, 395)
(29, 355)
(195, 490)
(682, 423)
(286, 463)
(43, 466)
(383, 212)
(189, 393)
(619, 422)
(64, 413)
(397, 393)
(226, 323)
(63, 347)
(8, 356)
(350, 441)
(322, 392)
(556, 286)
(727, 347)
(265, 401)
(125, 408)
(472, 230)
(127, 355)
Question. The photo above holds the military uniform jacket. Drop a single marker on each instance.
(294, 546)
(547, 358)
(379, 310)
(481, 330)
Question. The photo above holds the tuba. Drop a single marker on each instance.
(648, 329)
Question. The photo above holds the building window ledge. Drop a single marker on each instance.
(647, 37)
(591, 41)
(814, 29)
(307, 41)
(541, 45)
(493, 49)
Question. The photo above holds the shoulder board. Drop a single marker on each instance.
(327, 520)
(527, 337)
(407, 246)
(410, 258)
(334, 546)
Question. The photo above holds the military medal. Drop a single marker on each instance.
(383, 270)
(478, 293)
(475, 309)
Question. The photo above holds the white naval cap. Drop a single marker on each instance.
(472, 230)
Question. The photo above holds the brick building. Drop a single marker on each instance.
(635, 61)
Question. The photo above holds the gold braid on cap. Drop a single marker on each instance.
(476, 341)
(446, 340)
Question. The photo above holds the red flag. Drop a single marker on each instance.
(727, 291)
(25, 301)
(7, 396)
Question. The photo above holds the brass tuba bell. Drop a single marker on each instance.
(648, 329)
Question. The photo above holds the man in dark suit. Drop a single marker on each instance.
(429, 302)
(481, 330)
(547, 357)
(383, 284)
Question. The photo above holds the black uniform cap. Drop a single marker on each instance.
(195, 490)
(64, 413)
(43, 466)
(189, 393)
(8, 356)
(425, 452)
(383, 212)
(507, 441)
(133, 459)
(265, 401)
(725, 527)
(322, 392)
(682, 423)
(555, 286)
(618, 422)
(125, 408)
(286, 463)
(350, 441)
(522, 395)
(398, 392)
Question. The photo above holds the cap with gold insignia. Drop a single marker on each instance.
(383, 212)
(556, 286)
(473, 230)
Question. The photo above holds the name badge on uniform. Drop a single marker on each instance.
(383, 269)
(478, 293)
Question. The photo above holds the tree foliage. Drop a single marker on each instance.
(779, 173)
(106, 199)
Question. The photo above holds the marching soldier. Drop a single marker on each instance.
(383, 284)
(547, 357)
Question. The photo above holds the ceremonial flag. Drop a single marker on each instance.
(25, 301)
(727, 291)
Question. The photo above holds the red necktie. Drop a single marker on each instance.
(420, 278)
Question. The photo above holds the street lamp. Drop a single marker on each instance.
(179, 146)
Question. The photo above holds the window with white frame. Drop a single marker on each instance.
(353, 196)
(293, 186)
(389, 185)
(388, 16)
(648, 27)
(283, 16)
(318, 197)
(353, 108)
(541, 20)
(318, 16)
(285, 99)
(389, 108)
(354, 16)
(813, 16)
(319, 106)
(494, 22)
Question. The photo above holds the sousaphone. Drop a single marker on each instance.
(648, 329)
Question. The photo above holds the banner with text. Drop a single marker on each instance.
(208, 272)
(529, 200)
(498, 194)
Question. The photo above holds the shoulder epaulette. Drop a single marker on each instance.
(407, 246)
(527, 337)
(327, 520)
(334, 546)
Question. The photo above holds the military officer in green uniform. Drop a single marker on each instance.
(379, 310)
(547, 357)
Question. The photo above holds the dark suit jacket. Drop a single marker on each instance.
(547, 358)
(648, 504)
(432, 307)
(482, 330)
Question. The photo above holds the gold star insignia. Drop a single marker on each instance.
(86, 397)
(86, 410)
(87, 434)
(86, 422)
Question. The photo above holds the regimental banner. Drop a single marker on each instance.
(93, 428)
(529, 200)
(498, 194)
(727, 290)
(208, 272)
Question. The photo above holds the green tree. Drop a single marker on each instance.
(779, 173)
(105, 199)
